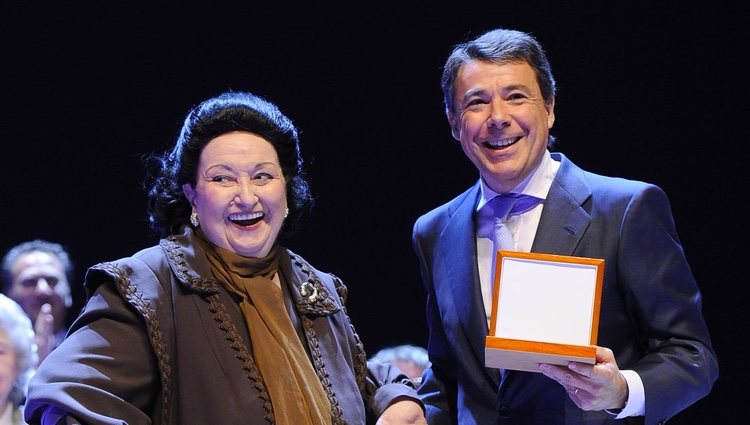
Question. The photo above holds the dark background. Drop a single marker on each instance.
(649, 92)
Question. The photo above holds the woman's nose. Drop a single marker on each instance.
(245, 192)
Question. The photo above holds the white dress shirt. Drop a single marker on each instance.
(522, 226)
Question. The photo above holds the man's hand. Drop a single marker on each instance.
(592, 387)
(44, 329)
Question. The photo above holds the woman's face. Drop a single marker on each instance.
(240, 193)
(8, 367)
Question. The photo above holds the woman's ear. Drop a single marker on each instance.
(189, 192)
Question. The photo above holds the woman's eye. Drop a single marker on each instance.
(223, 180)
(262, 178)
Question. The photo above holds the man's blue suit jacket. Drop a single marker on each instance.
(650, 306)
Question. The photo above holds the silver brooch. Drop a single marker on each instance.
(308, 288)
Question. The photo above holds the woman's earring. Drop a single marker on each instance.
(194, 219)
(286, 212)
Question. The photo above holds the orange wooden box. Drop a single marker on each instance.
(545, 309)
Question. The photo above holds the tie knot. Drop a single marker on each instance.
(511, 203)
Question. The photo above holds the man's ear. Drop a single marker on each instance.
(550, 113)
(455, 131)
(189, 192)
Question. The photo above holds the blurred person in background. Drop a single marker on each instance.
(36, 275)
(411, 359)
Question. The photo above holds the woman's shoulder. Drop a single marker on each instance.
(152, 257)
(140, 268)
(313, 289)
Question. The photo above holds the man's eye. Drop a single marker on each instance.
(28, 283)
(475, 104)
(516, 97)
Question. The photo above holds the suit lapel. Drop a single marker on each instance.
(458, 239)
(563, 220)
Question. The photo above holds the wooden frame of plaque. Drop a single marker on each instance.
(545, 309)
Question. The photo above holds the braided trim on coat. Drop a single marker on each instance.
(210, 290)
(320, 370)
(317, 357)
(175, 253)
(216, 307)
(144, 307)
(360, 357)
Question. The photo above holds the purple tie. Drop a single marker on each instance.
(503, 206)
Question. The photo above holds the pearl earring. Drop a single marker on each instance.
(286, 212)
(194, 219)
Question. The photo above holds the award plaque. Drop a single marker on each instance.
(545, 309)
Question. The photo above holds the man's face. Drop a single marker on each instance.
(39, 278)
(501, 120)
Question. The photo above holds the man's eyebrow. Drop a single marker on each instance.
(472, 92)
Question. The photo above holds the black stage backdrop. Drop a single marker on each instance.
(646, 92)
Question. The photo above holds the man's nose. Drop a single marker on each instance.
(43, 286)
(499, 117)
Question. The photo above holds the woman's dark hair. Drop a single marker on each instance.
(168, 208)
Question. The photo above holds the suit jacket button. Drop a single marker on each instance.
(503, 412)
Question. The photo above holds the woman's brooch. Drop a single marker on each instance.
(308, 288)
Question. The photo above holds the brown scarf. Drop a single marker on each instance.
(296, 393)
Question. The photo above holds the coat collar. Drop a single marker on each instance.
(189, 264)
(308, 292)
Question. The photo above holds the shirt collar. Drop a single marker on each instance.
(536, 184)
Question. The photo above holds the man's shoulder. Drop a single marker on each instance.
(615, 186)
(444, 212)
(571, 176)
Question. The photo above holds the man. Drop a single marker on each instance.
(36, 275)
(654, 356)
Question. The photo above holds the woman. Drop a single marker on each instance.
(219, 323)
(17, 359)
